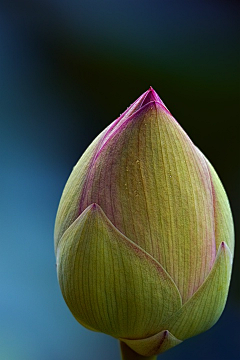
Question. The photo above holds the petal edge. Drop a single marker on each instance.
(205, 307)
(110, 283)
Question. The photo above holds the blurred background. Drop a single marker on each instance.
(68, 69)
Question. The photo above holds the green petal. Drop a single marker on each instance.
(109, 283)
(153, 345)
(203, 310)
(224, 229)
(155, 187)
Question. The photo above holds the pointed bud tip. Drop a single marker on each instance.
(152, 96)
(152, 89)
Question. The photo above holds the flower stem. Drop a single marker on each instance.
(129, 354)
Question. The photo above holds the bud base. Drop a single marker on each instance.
(129, 354)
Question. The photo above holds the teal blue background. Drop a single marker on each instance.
(67, 69)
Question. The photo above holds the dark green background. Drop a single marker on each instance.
(68, 69)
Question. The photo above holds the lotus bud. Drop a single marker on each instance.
(144, 235)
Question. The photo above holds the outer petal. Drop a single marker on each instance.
(203, 310)
(153, 345)
(156, 189)
(224, 228)
(109, 283)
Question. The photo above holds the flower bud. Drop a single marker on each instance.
(144, 235)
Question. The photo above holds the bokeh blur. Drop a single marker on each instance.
(67, 69)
